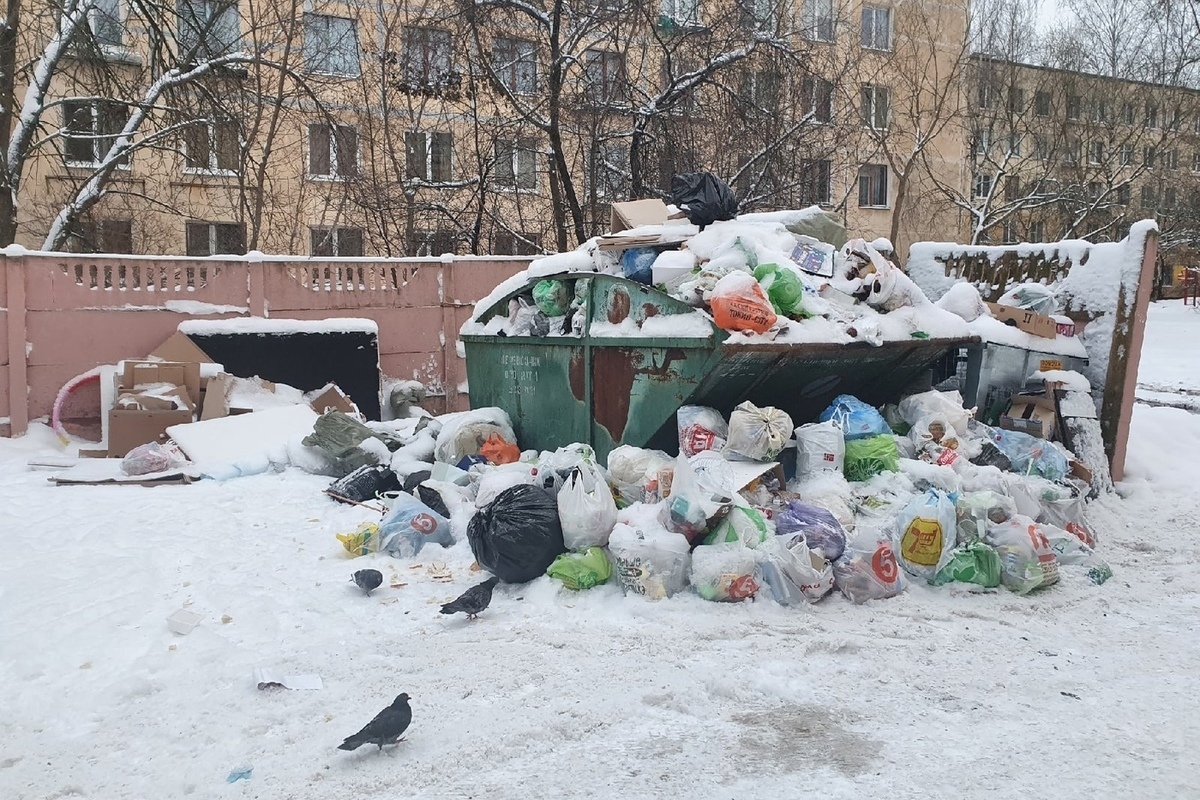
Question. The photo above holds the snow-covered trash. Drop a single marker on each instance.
(820, 447)
(1026, 557)
(409, 525)
(700, 428)
(153, 457)
(926, 532)
(821, 530)
(868, 569)
(857, 419)
(465, 433)
(649, 561)
(793, 572)
(183, 621)
(758, 434)
(726, 572)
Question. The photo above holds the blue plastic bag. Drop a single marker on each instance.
(820, 527)
(637, 264)
(856, 419)
(409, 524)
(1030, 455)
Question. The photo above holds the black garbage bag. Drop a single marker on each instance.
(415, 479)
(705, 197)
(517, 535)
(992, 457)
(432, 498)
(365, 483)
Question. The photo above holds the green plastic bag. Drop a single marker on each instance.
(866, 458)
(784, 290)
(973, 563)
(745, 525)
(581, 570)
(553, 298)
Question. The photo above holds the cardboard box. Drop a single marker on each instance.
(180, 348)
(1031, 413)
(1037, 324)
(331, 397)
(128, 428)
(633, 213)
(179, 373)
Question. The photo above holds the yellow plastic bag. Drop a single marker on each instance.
(364, 539)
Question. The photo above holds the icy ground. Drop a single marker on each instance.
(1079, 691)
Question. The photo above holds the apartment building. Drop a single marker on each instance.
(339, 130)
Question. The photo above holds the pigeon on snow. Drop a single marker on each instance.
(387, 727)
(368, 579)
(473, 600)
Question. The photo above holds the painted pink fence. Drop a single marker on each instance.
(63, 314)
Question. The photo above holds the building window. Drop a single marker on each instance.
(816, 20)
(1128, 113)
(987, 93)
(1016, 99)
(330, 45)
(1149, 196)
(428, 155)
(1095, 190)
(1196, 161)
(1041, 104)
(1123, 194)
(1012, 188)
(1125, 155)
(516, 164)
(103, 236)
(435, 242)
(873, 186)
(1041, 148)
(104, 19)
(681, 12)
(1169, 197)
(336, 242)
(1074, 149)
(876, 28)
(1151, 116)
(1014, 144)
(212, 146)
(816, 183)
(1037, 231)
(610, 166)
(207, 27)
(332, 151)
(1074, 106)
(817, 94)
(983, 185)
(760, 88)
(515, 63)
(215, 238)
(981, 143)
(90, 129)
(426, 61)
(1171, 159)
(1175, 120)
(604, 73)
(1149, 156)
(875, 107)
(1096, 151)
(518, 243)
(1009, 233)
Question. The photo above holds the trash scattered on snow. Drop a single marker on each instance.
(267, 678)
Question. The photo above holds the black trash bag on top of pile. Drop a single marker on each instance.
(705, 197)
(432, 498)
(517, 536)
(365, 483)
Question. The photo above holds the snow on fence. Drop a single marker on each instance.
(1105, 288)
(62, 314)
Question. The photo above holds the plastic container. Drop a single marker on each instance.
(183, 621)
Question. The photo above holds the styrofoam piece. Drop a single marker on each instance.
(244, 439)
(183, 621)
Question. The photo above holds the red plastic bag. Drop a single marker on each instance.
(739, 304)
(497, 451)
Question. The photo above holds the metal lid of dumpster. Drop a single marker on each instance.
(641, 354)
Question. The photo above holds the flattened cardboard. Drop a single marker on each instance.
(178, 347)
(129, 428)
(331, 397)
(216, 396)
(1031, 413)
(1037, 324)
(633, 213)
(182, 373)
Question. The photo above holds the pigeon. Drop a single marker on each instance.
(473, 600)
(368, 579)
(386, 728)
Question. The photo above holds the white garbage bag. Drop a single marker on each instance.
(1027, 560)
(759, 434)
(586, 509)
(820, 447)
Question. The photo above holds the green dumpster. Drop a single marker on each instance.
(620, 383)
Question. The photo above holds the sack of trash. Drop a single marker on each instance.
(652, 564)
(1069, 512)
(586, 509)
(856, 419)
(697, 496)
(517, 536)
(553, 297)
(945, 405)
(409, 524)
(820, 447)
(784, 290)
(867, 457)
(977, 511)
(152, 457)
(742, 524)
(1035, 297)
(497, 450)
(363, 540)
(739, 304)
(465, 433)
(639, 475)
(1030, 455)
(926, 531)
(820, 528)
(700, 429)
(971, 563)
(581, 570)
(339, 436)
(793, 572)
(553, 469)
(1027, 561)
(365, 483)
(726, 572)
(704, 197)
(758, 434)
(526, 319)
(868, 569)
(493, 481)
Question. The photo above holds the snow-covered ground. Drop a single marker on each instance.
(1076, 691)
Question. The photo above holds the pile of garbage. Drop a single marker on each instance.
(862, 500)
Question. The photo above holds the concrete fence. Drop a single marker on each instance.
(63, 314)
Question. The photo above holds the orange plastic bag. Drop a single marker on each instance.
(497, 451)
(739, 304)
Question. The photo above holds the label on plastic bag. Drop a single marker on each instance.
(883, 564)
(922, 542)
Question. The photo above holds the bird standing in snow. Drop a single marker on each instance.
(368, 579)
(473, 600)
(387, 727)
